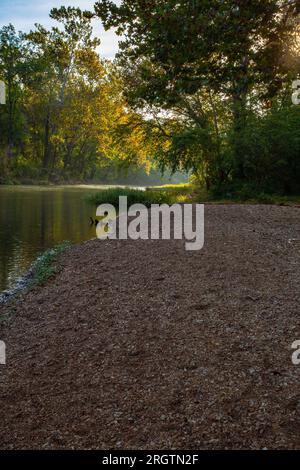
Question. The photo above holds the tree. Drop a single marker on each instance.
(60, 56)
(187, 55)
(13, 57)
(66, 116)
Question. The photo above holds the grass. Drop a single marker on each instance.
(158, 195)
(44, 266)
(187, 193)
(42, 269)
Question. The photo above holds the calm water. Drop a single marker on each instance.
(33, 219)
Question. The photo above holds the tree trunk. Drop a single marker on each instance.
(239, 122)
(46, 157)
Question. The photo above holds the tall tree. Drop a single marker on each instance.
(177, 52)
(62, 54)
(13, 56)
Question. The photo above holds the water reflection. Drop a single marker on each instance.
(33, 219)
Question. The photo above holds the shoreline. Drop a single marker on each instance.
(139, 344)
(19, 287)
(33, 277)
(22, 283)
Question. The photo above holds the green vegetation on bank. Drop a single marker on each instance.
(44, 267)
(137, 196)
(188, 193)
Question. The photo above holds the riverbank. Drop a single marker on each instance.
(140, 344)
(177, 192)
(39, 272)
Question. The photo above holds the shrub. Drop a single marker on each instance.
(134, 196)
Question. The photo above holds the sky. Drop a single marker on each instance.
(23, 14)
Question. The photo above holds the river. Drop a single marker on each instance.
(34, 218)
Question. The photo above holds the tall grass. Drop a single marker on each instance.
(134, 196)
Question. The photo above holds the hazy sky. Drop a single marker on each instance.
(24, 13)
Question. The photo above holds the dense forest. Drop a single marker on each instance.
(203, 87)
(65, 117)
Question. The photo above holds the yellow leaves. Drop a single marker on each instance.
(57, 139)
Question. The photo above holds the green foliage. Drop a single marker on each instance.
(219, 70)
(13, 69)
(134, 196)
(271, 148)
(65, 110)
(190, 44)
(44, 267)
(198, 86)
